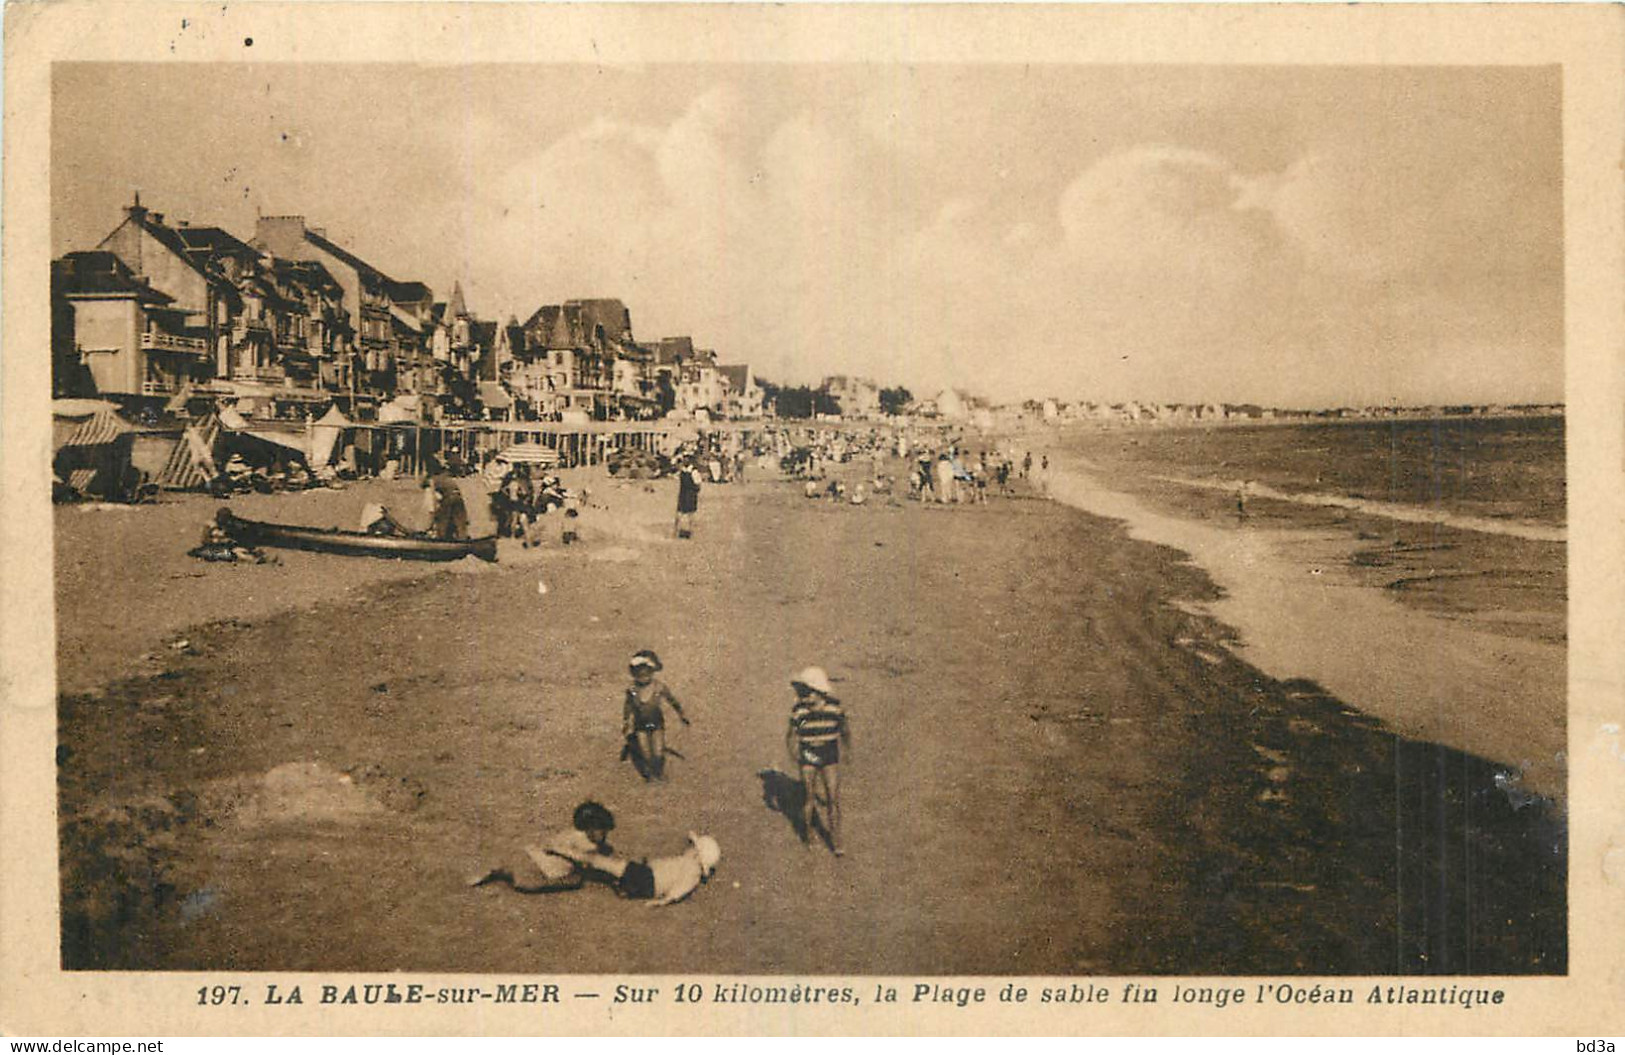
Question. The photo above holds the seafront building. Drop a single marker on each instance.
(113, 332)
(175, 325)
(163, 318)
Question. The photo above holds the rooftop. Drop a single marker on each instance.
(100, 273)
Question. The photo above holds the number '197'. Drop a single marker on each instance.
(219, 994)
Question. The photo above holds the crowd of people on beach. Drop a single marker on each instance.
(946, 472)
(942, 471)
(939, 468)
(522, 499)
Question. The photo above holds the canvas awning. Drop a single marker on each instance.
(494, 396)
(530, 454)
(293, 441)
(80, 408)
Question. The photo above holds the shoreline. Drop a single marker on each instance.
(1301, 614)
(1386, 510)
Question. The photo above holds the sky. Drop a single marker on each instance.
(1310, 236)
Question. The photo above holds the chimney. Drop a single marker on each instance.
(158, 217)
(135, 210)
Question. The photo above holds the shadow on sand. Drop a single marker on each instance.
(785, 794)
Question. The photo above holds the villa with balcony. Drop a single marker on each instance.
(114, 336)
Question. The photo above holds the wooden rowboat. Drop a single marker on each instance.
(355, 543)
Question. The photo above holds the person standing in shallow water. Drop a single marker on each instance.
(688, 499)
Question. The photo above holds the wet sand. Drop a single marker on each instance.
(1059, 767)
(1443, 632)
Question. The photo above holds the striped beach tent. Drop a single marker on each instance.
(101, 428)
(191, 464)
(529, 454)
(92, 444)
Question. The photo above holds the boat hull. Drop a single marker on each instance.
(356, 543)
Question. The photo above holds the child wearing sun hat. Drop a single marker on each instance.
(643, 718)
(818, 730)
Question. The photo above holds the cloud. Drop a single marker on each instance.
(769, 249)
(1268, 234)
(1156, 271)
(1161, 210)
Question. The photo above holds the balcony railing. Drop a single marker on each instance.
(249, 329)
(158, 388)
(168, 342)
(257, 373)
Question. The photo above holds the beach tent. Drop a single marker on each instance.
(325, 434)
(92, 446)
(529, 454)
(192, 463)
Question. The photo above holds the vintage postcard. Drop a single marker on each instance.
(812, 519)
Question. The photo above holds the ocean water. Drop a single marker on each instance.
(1481, 467)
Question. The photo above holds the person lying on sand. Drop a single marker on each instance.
(565, 860)
(218, 546)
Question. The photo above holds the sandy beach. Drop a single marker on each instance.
(1062, 763)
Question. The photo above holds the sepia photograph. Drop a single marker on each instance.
(807, 520)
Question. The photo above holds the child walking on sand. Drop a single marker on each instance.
(643, 720)
(818, 729)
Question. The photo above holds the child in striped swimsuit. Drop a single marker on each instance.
(818, 730)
